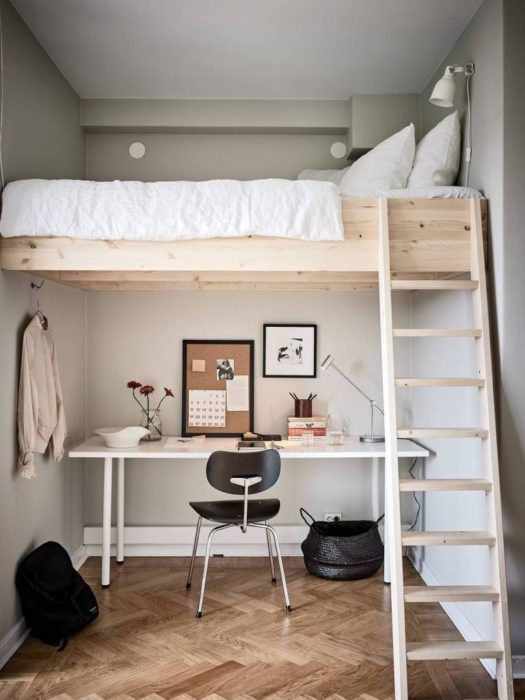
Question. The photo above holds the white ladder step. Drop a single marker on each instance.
(450, 594)
(439, 381)
(442, 433)
(444, 485)
(404, 285)
(436, 332)
(441, 537)
(442, 651)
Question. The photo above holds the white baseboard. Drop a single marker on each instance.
(12, 640)
(518, 666)
(454, 612)
(79, 557)
(18, 632)
(167, 541)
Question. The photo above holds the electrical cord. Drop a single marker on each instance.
(2, 181)
(468, 154)
(416, 499)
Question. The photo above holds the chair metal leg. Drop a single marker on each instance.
(194, 553)
(270, 554)
(206, 560)
(270, 529)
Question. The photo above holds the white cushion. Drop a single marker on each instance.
(385, 167)
(323, 175)
(437, 155)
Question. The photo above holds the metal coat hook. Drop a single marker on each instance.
(43, 319)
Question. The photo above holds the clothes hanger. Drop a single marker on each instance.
(42, 318)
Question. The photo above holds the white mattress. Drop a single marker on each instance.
(305, 209)
(172, 210)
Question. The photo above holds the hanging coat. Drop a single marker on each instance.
(41, 419)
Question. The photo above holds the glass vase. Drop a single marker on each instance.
(152, 422)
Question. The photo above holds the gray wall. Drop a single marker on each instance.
(494, 41)
(511, 320)
(119, 350)
(208, 156)
(41, 138)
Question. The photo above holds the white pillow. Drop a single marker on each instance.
(323, 175)
(385, 167)
(438, 155)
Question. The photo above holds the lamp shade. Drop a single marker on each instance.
(443, 92)
(327, 362)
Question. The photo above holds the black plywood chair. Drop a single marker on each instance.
(241, 473)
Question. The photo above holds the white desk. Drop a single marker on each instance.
(94, 448)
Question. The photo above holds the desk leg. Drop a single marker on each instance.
(120, 509)
(106, 521)
(376, 502)
(386, 531)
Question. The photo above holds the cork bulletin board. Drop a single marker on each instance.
(217, 387)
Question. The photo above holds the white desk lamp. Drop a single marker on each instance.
(328, 362)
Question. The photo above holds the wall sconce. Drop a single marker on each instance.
(338, 149)
(443, 96)
(137, 150)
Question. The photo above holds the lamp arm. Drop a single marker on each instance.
(368, 398)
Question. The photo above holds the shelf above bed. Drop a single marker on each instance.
(429, 239)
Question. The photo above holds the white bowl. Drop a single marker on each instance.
(122, 437)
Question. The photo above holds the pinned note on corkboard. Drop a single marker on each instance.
(217, 387)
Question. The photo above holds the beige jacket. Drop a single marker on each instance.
(41, 416)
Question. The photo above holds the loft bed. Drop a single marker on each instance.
(429, 239)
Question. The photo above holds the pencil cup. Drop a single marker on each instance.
(303, 408)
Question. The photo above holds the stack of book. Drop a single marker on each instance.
(298, 426)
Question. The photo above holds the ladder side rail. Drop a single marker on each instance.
(490, 451)
(392, 503)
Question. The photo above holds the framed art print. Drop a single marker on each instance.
(290, 350)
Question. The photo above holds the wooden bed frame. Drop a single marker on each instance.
(429, 239)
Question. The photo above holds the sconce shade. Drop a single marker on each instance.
(443, 92)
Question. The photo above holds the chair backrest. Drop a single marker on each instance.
(223, 465)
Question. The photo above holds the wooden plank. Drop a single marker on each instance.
(454, 537)
(219, 281)
(449, 594)
(393, 549)
(444, 485)
(437, 332)
(489, 453)
(434, 285)
(410, 433)
(449, 651)
(439, 381)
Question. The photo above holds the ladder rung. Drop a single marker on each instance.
(442, 433)
(436, 332)
(437, 651)
(400, 285)
(439, 381)
(453, 537)
(444, 485)
(443, 594)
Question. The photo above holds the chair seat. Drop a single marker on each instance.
(232, 511)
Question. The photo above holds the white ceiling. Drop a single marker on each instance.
(250, 49)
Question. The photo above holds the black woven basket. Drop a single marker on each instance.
(342, 550)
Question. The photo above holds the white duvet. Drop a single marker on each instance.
(172, 210)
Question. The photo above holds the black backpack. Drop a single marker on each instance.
(56, 601)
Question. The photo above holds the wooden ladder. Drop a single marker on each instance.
(499, 647)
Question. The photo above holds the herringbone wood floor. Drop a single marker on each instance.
(148, 645)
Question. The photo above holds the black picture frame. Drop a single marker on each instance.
(184, 428)
(288, 372)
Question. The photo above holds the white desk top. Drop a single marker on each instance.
(351, 449)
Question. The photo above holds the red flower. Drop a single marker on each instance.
(169, 392)
(147, 389)
(134, 385)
